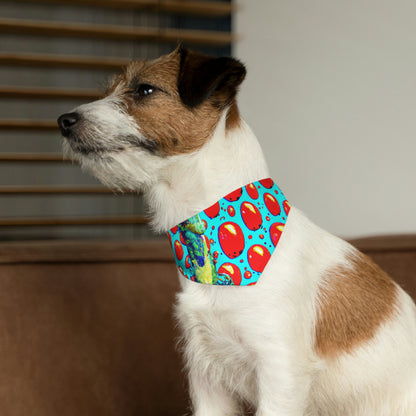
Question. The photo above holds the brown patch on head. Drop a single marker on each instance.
(233, 116)
(353, 302)
(190, 92)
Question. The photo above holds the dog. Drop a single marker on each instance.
(320, 330)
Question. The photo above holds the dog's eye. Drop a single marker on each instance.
(143, 90)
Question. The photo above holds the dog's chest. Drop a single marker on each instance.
(214, 342)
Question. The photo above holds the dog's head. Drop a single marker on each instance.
(152, 112)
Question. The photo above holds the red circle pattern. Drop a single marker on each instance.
(259, 219)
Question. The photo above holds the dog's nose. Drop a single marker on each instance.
(67, 121)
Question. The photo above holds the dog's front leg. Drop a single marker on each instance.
(283, 386)
(210, 399)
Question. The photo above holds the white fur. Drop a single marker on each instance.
(256, 343)
(187, 184)
(107, 121)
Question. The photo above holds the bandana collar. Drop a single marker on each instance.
(231, 242)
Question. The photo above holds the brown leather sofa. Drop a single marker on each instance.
(86, 328)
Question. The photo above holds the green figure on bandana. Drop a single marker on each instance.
(192, 232)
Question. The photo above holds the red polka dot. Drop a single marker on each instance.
(187, 262)
(286, 206)
(272, 204)
(231, 211)
(258, 256)
(251, 216)
(267, 183)
(252, 191)
(276, 230)
(232, 270)
(178, 250)
(213, 210)
(234, 196)
(231, 239)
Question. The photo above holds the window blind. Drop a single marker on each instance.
(55, 55)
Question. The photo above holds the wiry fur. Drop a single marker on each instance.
(258, 344)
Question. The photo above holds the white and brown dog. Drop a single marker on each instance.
(324, 331)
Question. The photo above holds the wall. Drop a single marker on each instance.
(331, 95)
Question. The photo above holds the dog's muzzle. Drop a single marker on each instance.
(67, 122)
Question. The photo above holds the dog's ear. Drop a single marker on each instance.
(202, 77)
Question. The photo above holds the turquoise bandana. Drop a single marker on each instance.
(231, 242)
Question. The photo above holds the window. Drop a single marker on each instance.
(55, 55)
